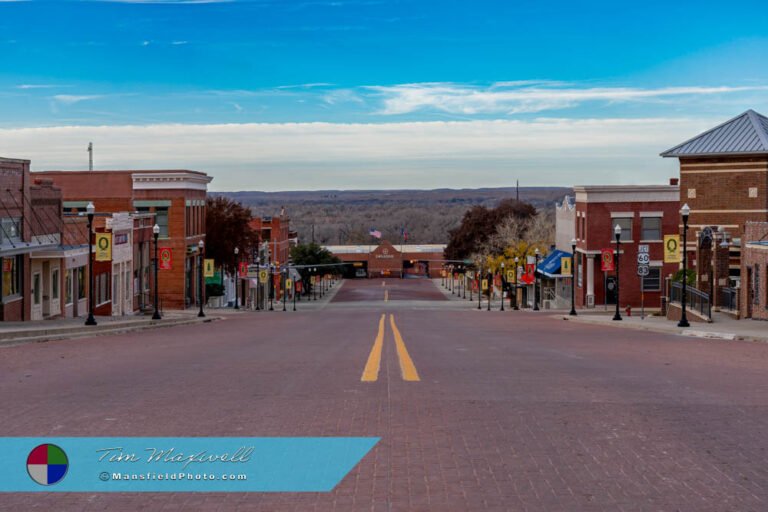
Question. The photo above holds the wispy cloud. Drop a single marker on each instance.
(525, 97)
(71, 99)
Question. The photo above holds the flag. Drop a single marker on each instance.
(374, 233)
(404, 233)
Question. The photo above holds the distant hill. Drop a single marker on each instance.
(346, 216)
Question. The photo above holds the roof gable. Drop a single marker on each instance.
(745, 134)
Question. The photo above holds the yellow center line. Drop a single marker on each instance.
(371, 371)
(407, 368)
(386, 295)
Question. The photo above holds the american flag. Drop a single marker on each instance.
(375, 233)
(404, 233)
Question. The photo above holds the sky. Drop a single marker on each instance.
(351, 94)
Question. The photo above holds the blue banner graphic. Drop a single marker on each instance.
(178, 464)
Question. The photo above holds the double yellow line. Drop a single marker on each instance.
(407, 368)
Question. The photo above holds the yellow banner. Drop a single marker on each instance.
(565, 266)
(672, 252)
(485, 284)
(510, 276)
(208, 272)
(263, 276)
(103, 246)
(288, 284)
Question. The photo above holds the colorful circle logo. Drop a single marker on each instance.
(47, 464)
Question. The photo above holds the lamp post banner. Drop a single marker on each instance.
(178, 464)
(606, 260)
(166, 258)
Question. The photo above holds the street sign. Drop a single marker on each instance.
(643, 270)
(672, 249)
(642, 248)
(643, 258)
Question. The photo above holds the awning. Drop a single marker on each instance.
(550, 266)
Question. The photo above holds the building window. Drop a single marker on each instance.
(161, 218)
(652, 282)
(80, 282)
(626, 227)
(756, 285)
(579, 271)
(651, 228)
(11, 276)
(55, 284)
(68, 287)
(103, 288)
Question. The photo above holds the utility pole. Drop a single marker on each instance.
(90, 156)
(517, 190)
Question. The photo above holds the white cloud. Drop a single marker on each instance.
(524, 97)
(71, 99)
(389, 155)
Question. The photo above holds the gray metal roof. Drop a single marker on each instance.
(745, 134)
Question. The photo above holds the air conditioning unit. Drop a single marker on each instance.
(590, 301)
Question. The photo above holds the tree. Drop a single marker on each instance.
(227, 225)
(311, 254)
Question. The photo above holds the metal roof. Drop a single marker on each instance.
(745, 134)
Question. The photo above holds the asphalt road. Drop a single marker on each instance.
(477, 410)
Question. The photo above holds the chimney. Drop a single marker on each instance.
(674, 181)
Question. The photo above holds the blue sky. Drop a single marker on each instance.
(365, 93)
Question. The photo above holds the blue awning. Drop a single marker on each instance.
(550, 266)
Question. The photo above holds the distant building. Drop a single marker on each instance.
(645, 213)
(724, 180)
(276, 238)
(565, 223)
(176, 198)
(753, 299)
(387, 260)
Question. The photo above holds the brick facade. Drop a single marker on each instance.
(388, 260)
(598, 209)
(753, 299)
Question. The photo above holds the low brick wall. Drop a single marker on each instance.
(674, 310)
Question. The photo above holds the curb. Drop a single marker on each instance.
(122, 328)
(676, 332)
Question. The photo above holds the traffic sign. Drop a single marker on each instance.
(642, 248)
(643, 270)
(643, 258)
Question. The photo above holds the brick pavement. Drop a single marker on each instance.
(514, 410)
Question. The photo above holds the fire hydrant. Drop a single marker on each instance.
(628, 310)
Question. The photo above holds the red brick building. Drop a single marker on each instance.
(177, 200)
(387, 260)
(40, 253)
(724, 180)
(276, 238)
(645, 213)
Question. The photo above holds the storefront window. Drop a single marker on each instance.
(68, 287)
(36, 289)
(80, 282)
(11, 276)
(652, 282)
(55, 284)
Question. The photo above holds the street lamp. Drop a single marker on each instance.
(156, 235)
(285, 276)
(573, 278)
(237, 282)
(685, 211)
(480, 287)
(490, 287)
(314, 289)
(201, 246)
(517, 272)
(502, 286)
(617, 232)
(536, 282)
(90, 210)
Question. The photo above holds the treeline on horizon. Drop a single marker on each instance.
(340, 217)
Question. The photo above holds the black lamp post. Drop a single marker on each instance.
(490, 288)
(293, 291)
(685, 211)
(536, 282)
(201, 291)
(90, 210)
(617, 232)
(502, 286)
(314, 288)
(271, 288)
(464, 280)
(285, 276)
(573, 278)
(156, 235)
(237, 282)
(517, 276)
(258, 284)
